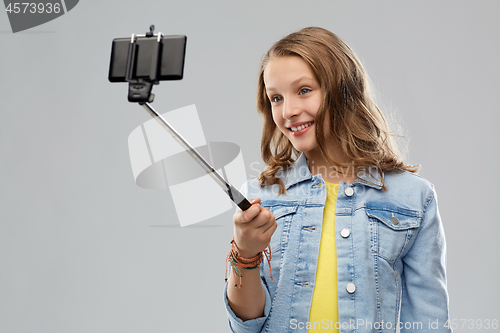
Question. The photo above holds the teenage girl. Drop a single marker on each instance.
(356, 240)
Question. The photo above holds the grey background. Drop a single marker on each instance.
(83, 249)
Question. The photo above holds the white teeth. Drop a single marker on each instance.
(295, 129)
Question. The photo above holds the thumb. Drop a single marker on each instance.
(254, 201)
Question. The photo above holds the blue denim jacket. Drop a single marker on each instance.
(391, 254)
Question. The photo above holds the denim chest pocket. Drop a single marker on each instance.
(391, 231)
(279, 241)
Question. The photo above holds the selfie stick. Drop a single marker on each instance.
(233, 193)
(140, 91)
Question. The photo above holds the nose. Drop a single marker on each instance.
(290, 108)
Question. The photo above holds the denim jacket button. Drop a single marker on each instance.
(350, 288)
(349, 191)
(345, 233)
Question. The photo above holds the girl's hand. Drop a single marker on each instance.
(253, 229)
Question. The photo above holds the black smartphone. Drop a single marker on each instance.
(171, 64)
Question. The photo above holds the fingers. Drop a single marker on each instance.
(264, 218)
(250, 213)
(262, 223)
(253, 229)
(254, 218)
(256, 200)
(271, 227)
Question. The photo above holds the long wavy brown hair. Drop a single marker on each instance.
(357, 124)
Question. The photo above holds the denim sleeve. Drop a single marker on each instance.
(424, 293)
(250, 326)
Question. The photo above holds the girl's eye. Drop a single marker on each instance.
(304, 91)
(276, 99)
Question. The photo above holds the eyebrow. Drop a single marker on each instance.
(304, 77)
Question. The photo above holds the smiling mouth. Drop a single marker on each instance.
(298, 128)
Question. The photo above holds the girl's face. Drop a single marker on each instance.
(295, 97)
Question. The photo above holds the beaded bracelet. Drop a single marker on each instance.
(246, 263)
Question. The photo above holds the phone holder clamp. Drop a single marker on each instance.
(139, 89)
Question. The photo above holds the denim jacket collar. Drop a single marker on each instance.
(299, 172)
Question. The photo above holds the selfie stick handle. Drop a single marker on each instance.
(233, 193)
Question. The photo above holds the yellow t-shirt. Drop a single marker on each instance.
(324, 312)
